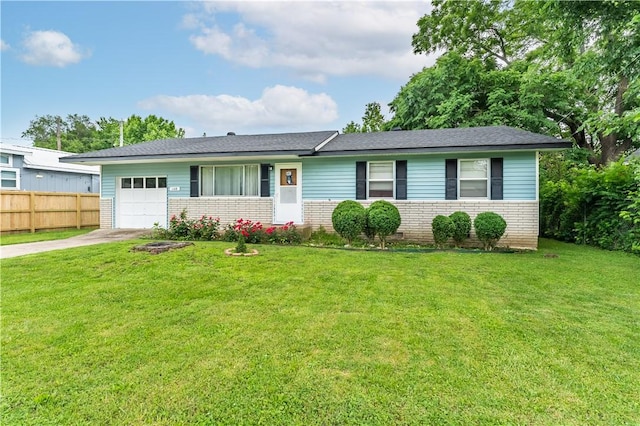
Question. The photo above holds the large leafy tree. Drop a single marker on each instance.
(575, 63)
(459, 92)
(78, 133)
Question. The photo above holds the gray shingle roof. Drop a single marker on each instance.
(494, 138)
(216, 146)
(441, 140)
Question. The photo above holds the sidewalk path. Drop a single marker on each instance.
(94, 237)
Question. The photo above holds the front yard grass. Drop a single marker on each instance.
(298, 335)
(28, 237)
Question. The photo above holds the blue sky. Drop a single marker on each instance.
(211, 67)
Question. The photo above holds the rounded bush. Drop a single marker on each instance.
(383, 219)
(442, 227)
(462, 227)
(489, 228)
(349, 219)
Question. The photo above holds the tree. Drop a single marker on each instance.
(372, 120)
(78, 133)
(137, 129)
(460, 92)
(352, 127)
(587, 49)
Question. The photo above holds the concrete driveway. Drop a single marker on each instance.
(95, 237)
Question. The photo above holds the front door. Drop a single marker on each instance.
(288, 196)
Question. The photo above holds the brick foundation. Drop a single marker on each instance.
(228, 209)
(521, 218)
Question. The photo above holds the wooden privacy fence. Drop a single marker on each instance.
(33, 211)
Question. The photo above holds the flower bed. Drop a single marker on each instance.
(207, 228)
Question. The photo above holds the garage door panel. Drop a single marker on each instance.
(141, 207)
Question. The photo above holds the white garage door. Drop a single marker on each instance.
(141, 202)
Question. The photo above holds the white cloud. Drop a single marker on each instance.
(51, 48)
(278, 107)
(4, 46)
(314, 39)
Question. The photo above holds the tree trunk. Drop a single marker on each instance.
(610, 146)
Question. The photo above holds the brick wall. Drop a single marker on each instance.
(521, 217)
(106, 213)
(228, 209)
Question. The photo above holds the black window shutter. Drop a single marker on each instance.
(451, 177)
(361, 180)
(195, 185)
(496, 178)
(401, 180)
(264, 180)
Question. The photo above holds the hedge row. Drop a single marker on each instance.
(489, 228)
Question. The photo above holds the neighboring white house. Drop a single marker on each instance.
(39, 169)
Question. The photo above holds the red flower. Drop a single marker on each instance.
(245, 233)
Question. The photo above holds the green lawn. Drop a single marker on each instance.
(298, 335)
(27, 237)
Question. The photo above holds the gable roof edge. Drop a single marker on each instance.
(326, 141)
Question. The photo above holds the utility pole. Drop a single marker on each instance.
(121, 132)
(59, 142)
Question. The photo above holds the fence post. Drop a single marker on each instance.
(78, 211)
(32, 211)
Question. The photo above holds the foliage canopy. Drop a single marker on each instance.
(78, 133)
(562, 68)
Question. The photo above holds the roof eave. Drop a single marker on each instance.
(450, 149)
(130, 159)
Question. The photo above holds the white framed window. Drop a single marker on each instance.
(220, 181)
(6, 160)
(380, 179)
(10, 178)
(473, 178)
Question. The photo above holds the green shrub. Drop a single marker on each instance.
(349, 219)
(590, 205)
(489, 228)
(183, 228)
(368, 230)
(323, 238)
(285, 234)
(461, 227)
(241, 247)
(384, 219)
(443, 228)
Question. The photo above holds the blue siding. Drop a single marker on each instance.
(334, 178)
(328, 178)
(53, 181)
(519, 176)
(425, 178)
(33, 179)
(177, 176)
